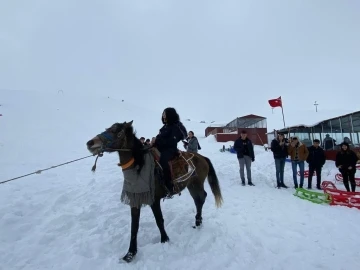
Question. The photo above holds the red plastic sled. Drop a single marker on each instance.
(344, 198)
(338, 177)
(328, 184)
(306, 174)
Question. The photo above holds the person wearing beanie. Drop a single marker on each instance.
(346, 160)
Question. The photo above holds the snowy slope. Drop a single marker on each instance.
(44, 129)
(70, 218)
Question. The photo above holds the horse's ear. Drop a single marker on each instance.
(129, 124)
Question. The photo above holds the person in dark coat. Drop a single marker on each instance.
(279, 147)
(245, 154)
(346, 160)
(166, 142)
(316, 160)
(329, 142)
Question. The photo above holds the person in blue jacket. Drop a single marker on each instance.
(166, 142)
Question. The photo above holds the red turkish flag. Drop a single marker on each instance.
(275, 102)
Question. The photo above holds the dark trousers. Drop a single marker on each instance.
(312, 169)
(349, 176)
(165, 157)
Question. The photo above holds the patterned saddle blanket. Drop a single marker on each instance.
(181, 167)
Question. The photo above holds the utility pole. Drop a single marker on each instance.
(315, 104)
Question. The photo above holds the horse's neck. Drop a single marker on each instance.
(125, 157)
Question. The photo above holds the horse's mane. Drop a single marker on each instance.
(137, 148)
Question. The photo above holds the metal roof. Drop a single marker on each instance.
(246, 121)
(303, 126)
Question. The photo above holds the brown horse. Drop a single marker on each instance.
(120, 138)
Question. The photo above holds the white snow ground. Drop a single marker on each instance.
(70, 218)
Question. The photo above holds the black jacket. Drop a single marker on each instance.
(169, 137)
(244, 147)
(316, 156)
(278, 150)
(346, 159)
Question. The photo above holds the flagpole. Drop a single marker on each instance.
(277, 102)
(282, 110)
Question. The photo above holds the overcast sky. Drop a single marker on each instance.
(212, 60)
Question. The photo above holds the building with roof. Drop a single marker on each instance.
(302, 116)
(254, 125)
(331, 132)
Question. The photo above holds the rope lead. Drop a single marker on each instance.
(93, 169)
(40, 171)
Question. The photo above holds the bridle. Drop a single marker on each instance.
(107, 138)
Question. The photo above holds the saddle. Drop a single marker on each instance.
(181, 168)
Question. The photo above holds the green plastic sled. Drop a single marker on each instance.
(312, 196)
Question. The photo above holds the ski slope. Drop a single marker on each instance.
(69, 218)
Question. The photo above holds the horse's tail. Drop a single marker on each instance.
(214, 183)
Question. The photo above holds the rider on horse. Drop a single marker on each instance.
(166, 142)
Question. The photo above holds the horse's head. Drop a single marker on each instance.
(112, 139)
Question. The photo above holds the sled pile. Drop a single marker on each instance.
(344, 198)
(331, 196)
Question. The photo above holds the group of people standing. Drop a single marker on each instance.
(173, 132)
(145, 142)
(314, 155)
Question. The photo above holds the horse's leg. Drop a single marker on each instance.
(156, 209)
(135, 220)
(199, 194)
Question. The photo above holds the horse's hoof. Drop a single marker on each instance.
(165, 239)
(198, 222)
(129, 256)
